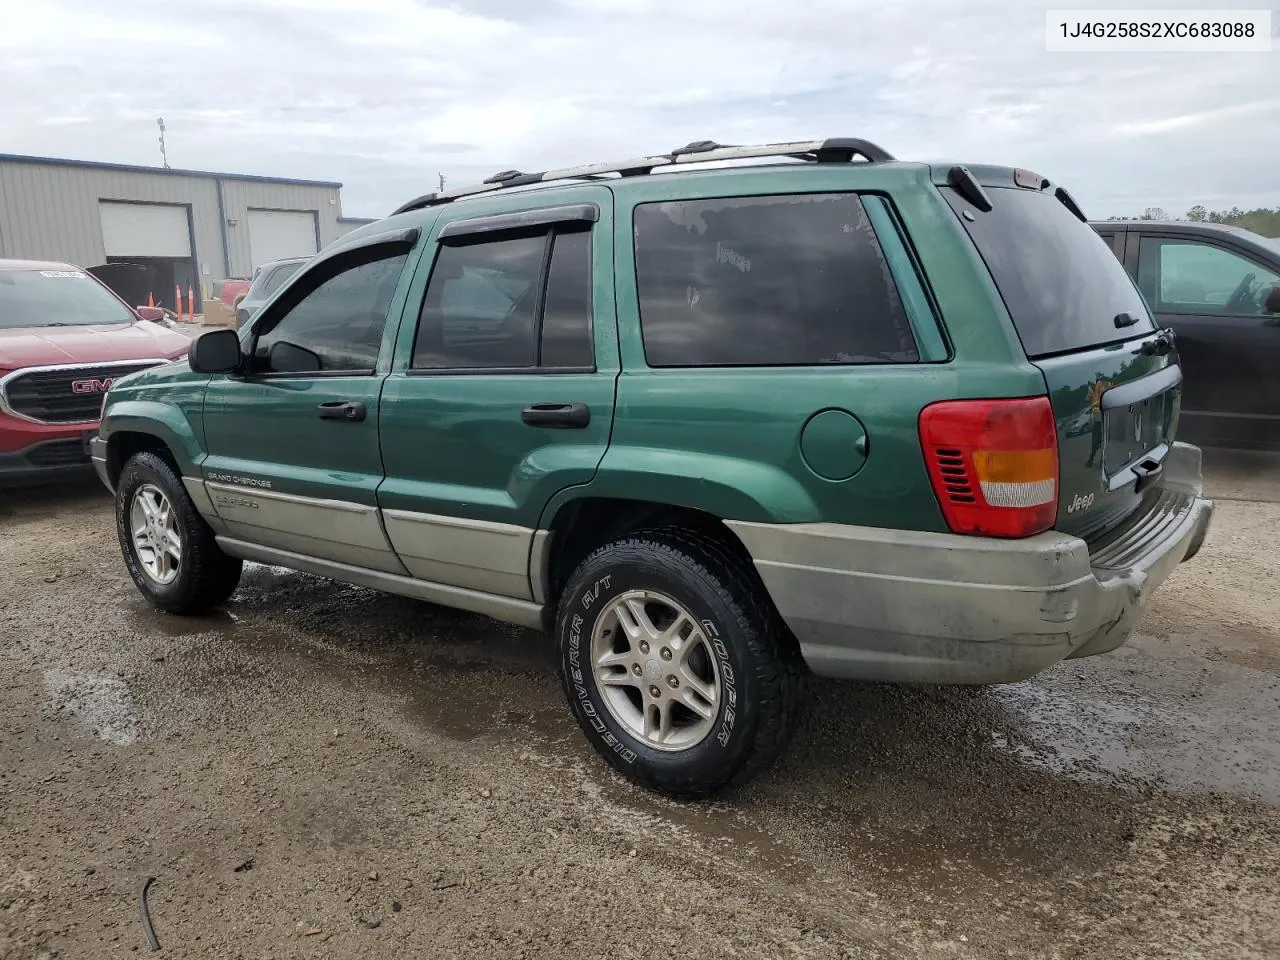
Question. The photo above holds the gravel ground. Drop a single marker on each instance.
(324, 771)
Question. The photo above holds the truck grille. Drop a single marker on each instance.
(63, 394)
(58, 453)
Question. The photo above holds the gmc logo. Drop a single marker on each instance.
(91, 386)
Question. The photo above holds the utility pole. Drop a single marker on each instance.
(441, 176)
(164, 157)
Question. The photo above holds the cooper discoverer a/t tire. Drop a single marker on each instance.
(675, 663)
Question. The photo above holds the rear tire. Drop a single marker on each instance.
(675, 663)
(169, 550)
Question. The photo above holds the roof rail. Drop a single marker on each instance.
(835, 150)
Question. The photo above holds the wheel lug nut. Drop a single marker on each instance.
(644, 647)
(666, 653)
(654, 691)
(672, 682)
(635, 668)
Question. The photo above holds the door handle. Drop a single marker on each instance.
(1147, 472)
(352, 411)
(562, 415)
(1159, 345)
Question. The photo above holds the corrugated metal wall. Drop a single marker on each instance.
(50, 211)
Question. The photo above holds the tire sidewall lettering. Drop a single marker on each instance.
(582, 685)
(728, 681)
(579, 685)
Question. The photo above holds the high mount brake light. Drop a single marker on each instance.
(993, 464)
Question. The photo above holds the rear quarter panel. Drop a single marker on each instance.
(727, 441)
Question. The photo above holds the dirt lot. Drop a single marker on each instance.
(324, 771)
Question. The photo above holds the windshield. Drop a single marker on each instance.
(1061, 283)
(56, 298)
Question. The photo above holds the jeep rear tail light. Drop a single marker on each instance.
(993, 464)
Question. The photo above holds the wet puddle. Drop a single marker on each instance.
(1185, 725)
(939, 788)
(99, 704)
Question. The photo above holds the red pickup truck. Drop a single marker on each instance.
(64, 337)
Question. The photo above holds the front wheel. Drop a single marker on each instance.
(169, 550)
(676, 664)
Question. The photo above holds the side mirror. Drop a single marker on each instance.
(154, 314)
(1273, 299)
(217, 351)
(286, 357)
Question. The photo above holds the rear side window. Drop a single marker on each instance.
(766, 281)
(1062, 284)
(566, 315)
(516, 302)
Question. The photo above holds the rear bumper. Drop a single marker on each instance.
(874, 604)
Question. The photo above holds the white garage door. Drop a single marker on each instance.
(280, 234)
(145, 230)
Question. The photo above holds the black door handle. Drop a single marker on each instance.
(351, 411)
(563, 415)
(1147, 472)
(1159, 345)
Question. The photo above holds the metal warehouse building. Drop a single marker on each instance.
(186, 226)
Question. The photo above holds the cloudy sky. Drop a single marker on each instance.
(383, 94)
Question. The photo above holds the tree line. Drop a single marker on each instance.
(1262, 220)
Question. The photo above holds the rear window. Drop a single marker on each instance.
(766, 281)
(56, 298)
(1060, 281)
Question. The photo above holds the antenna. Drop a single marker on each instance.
(164, 157)
(441, 176)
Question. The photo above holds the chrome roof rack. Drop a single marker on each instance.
(836, 150)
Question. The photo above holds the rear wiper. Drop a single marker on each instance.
(1069, 202)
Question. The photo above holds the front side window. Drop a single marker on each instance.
(512, 303)
(1184, 276)
(766, 281)
(56, 298)
(336, 326)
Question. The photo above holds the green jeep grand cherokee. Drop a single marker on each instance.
(710, 426)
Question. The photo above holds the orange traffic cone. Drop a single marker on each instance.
(151, 300)
(191, 303)
(177, 297)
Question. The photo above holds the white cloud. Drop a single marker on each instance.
(382, 94)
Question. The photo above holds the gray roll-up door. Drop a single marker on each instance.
(145, 229)
(281, 234)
